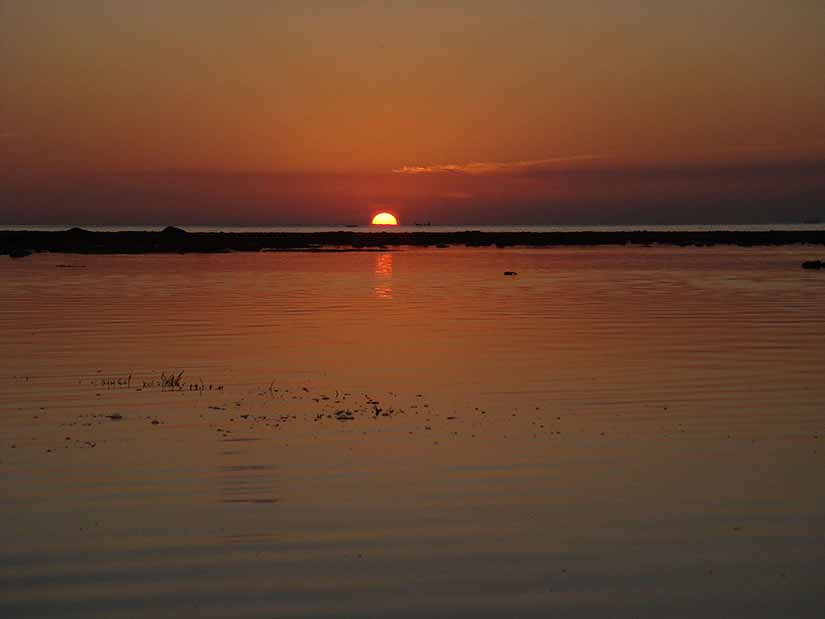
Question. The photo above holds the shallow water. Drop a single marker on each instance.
(614, 431)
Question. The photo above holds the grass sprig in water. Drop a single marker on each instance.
(171, 381)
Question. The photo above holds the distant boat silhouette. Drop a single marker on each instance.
(426, 224)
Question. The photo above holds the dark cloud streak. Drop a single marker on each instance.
(732, 193)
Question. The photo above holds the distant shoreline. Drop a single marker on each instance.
(176, 240)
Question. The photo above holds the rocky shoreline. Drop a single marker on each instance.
(177, 240)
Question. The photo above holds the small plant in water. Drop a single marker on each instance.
(116, 381)
(171, 381)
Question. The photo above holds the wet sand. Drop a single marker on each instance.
(177, 240)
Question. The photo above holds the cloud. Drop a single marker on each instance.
(801, 147)
(493, 167)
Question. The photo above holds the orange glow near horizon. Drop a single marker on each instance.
(384, 219)
(459, 112)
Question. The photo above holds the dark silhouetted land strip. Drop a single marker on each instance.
(175, 240)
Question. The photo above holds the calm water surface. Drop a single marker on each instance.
(624, 432)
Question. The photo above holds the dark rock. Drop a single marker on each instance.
(813, 264)
(173, 240)
(19, 253)
(173, 231)
(510, 273)
(115, 416)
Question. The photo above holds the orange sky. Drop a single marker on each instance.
(456, 111)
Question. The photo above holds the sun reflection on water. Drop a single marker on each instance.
(383, 276)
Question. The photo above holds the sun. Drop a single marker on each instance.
(384, 219)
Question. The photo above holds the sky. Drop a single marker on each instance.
(322, 112)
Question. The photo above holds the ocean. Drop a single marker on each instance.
(611, 431)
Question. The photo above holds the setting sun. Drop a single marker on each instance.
(384, 219)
